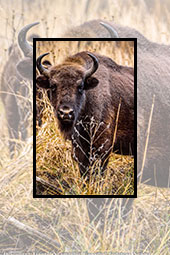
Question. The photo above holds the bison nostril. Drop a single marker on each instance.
(71, 114)
(66, 113)
(60, 114)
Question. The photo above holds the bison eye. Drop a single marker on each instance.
(80, 88)
(53, 88)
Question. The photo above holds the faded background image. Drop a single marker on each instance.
(53, 225)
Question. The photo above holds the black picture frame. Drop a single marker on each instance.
(34, 117)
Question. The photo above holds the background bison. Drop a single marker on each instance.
(88, 88)
(153, 60)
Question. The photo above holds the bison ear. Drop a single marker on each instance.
(25, 68)
(47, 63)
(90, 83)
(43, 82)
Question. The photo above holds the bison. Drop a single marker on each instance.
(153, 62)
(153, 80)
(85, 93)
(14, 89)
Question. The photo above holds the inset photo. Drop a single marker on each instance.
(85, 117)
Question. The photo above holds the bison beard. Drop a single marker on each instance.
(85, 93)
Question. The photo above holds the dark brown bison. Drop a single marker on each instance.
(86, 90)
(15, 90)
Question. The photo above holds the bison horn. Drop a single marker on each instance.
(113, 33)
(94, 67)
(42, 69)
(24, 45)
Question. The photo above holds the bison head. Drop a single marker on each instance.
(67, 85)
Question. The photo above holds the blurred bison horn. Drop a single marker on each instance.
(42, 69)
(94, 67)
(113, 33)
(23, 44)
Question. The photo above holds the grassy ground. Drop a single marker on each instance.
(65, 222)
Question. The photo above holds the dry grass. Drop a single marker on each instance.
(66, 220)
(56, 166)
(122, 52)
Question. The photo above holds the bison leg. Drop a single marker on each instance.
(98, 208)
(87, 168)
